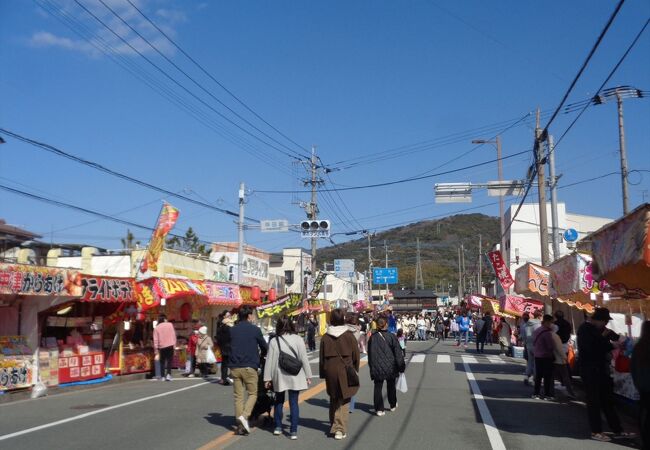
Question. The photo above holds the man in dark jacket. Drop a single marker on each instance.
(223, 341)
(386, 362)
(311, 333)
(246, 343)
(594, 349)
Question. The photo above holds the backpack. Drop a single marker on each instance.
(290, 364)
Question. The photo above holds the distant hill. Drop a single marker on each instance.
(439, 244)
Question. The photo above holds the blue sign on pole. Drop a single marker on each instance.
(387, 275)
(570, 235)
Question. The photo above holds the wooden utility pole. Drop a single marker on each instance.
(419, 279)
(541, 189)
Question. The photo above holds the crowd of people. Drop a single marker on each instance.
(278, 364)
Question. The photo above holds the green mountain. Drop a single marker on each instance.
(440, 241)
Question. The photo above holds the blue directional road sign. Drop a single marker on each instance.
(385, 275)
(570, 235)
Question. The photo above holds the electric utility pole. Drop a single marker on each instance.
(419, 279)
(480, 264)
(621, 142)
(311, 208)
(541, 189)
(240, 231)
(553, 185)
(386, 251)
(460, 277)
(368, 235)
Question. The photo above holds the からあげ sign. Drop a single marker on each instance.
(23, 279)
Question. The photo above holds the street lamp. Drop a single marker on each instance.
(619, 93)
(497, 142)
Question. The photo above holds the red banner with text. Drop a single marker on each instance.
(501, 270)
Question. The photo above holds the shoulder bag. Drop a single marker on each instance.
(290, 364)
(352, 375)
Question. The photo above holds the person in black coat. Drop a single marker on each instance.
(311, 333)
(386, 362)
(223, 341)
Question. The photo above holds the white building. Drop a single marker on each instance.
(523, 238)
(339, 288)
(293, 264)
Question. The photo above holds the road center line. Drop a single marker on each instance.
(492, 431)
(4, 437)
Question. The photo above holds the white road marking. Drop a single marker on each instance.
(495, 359)
(492, 431)
(99, 411)
(418, 358)
(468, 359)
(314, 360)
(443, 359)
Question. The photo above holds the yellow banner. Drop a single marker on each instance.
(166, 221)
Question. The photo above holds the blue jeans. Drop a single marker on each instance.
(422, 334)
(463, 335)
(353, 401)
(293, 408)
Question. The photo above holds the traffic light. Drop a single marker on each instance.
(315, 228)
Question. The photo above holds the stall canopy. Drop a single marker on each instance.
(107, 289)
(533, 281)
(23, 279)
(621, 251)
(150, 292)
(517, 306)
(284, 304)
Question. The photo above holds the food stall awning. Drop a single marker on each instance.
(621, 251)
(107, 289)
(25, 279)
(517, 306)
(222, 294)
(532, 280)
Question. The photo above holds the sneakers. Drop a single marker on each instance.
(339, 435)
(168, 378)
(536, 397)
(624, 435)
(600, 437)
(244, 423)
(277, 432)
(191, 375)
(393, 408)
(381, 413)
(549, 399)
(293, 436)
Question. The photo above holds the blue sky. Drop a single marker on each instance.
(354, 78)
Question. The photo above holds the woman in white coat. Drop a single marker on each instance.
(287, 341)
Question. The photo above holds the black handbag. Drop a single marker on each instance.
(290, 364)
(352, 375)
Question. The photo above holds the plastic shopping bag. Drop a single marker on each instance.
(188, 365)
(210, 357)
(400, 384)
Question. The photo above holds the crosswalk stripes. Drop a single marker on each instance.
(469, 359)
(495, 359)
(443, 359)
(418, 358)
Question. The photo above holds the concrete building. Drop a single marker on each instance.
(255, 264)
(292, 265)
(348, 289)
(523, 238)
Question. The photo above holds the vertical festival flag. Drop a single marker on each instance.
(501, 270)
(166, 221)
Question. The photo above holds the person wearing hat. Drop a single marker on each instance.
(203, 345)
(594, 347)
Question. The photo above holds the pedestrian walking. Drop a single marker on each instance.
(191, 348)
(640, 369)
(560, 363)
(392, 321)
(505, 332)
(422, 328)
(564, 331)
(402, 341)
(363, 338)
(164, 340)
(480, 328)
(204, 345)
(543, 352)
(463, 323)
(527, 330)
(311, 332)
(352, 321)
(246, 344)
(594, 347)
(276, 377)
(224, 342)
(339, 366)
(386, 362)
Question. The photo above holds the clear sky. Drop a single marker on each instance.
(354, 78)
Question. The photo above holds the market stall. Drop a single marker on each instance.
(17, 364)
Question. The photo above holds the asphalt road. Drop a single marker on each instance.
(442, 408)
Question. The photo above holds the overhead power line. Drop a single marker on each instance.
(174, 80)
(83, 210)
(114, 173)
(131, 66)
(390, 183)
(544, 133)
(209, 75)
